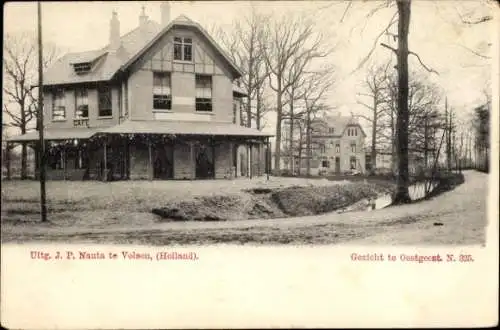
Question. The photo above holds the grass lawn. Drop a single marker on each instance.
(98, 204)
(459, 213)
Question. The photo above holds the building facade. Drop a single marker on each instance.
(156, 103)
(337, 146)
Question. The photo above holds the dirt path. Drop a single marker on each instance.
(461, 211)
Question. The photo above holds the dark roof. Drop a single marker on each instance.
(339, 124)
(132, 45)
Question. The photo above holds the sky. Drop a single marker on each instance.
(436, 34)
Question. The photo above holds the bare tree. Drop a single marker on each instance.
(377, 90)
(317, 86)
(288, 38)
(20, 80)
(243, 43)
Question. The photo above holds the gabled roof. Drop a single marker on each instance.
(339, 124)
(132, 46)
(186, 22)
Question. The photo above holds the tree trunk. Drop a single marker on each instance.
(374, 137)
(308, 144)
(290, 146)
(277, 147)
(402, 195)
(301, 136)
(426, 143)
(257, 116)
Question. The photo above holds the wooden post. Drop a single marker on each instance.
(125, 157)
(150, 160)
(191, 160)
(268, 159)
(250, 162)
(231, 167)
(43, 197)
(63, 160)
(7, 159)
(105, 174)
(258, 159)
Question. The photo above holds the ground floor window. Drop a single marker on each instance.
(325, 163)
(353, 163)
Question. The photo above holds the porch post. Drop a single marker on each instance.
(268, 159)
(7, 160)
(125, 157)
(259, 160)
(231, 151)
(191, 160)
(105, 176)
(63, 160)
(250, 158)
(150, 160)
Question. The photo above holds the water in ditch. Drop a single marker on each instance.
(416, 191)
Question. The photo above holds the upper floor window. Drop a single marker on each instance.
(162, 94)
(330, 130)
(337, 148)
(322, 148)
(353, 148)
(203, 93)
(59, 105)
(82, 103)
(104, 99)
(183, 49)
(352, 132)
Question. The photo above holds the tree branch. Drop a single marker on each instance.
(421, 63)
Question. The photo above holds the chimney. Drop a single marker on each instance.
(143, 19)
(114, 32)
(165, 13)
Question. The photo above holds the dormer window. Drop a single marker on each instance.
(183, 49)
(330, 130)
(82, 68)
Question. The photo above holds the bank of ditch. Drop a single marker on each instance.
(267, 203)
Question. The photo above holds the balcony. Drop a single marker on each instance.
(81, 122)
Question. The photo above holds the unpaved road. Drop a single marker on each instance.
(462, 213)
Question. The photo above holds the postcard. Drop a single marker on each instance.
(249, 164)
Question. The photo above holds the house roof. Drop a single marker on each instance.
(339, 124)
(146, 127)
(183, 127)
(61, 72)
(186, 22)
(55, 134)
(132, 46)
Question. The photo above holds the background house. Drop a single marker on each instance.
(338, 145)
